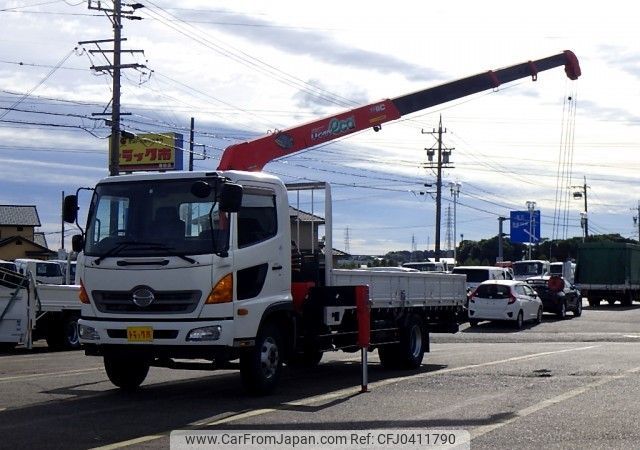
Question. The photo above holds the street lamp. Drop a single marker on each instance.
(531, 207)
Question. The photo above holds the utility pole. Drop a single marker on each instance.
(636, 218)
(441, 162)
(62, 232)
(500, 235)
(584, 218)
(455, 193)
(191, 133)
(117, 14)
(531, 207)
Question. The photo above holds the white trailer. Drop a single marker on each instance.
(30, 311)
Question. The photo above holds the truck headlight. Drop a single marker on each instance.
(88, 333)
(205, 333)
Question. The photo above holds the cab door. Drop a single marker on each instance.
(261, 263)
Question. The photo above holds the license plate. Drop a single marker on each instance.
(140, 334)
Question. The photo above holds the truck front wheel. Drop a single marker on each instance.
(71, 339)
(126, 373)
(261, 365)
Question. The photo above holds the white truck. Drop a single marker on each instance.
(198, 265)
(529, 268)
(30, 311)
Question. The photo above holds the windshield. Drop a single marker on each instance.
(152, 218)
(527, 268)
(48, 270)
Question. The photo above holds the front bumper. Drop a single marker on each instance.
(152, 333)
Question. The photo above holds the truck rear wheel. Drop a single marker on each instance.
(261, 365)
(409, 352)
(126, 373)
(7, 346)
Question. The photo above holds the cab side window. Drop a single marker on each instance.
(257, 219)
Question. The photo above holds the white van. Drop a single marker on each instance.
(47, 272)
(64, 264)
(478, 274)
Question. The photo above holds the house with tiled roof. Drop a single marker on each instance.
(18, 238)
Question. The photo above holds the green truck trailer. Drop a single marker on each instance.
(608, 271)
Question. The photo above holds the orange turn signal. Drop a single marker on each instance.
(222, 292)
(82, 294)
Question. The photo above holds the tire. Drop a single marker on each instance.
(611, 302)
(71, 337)
(562, 312)
(594, 303)
(578, 311)
(126, 373)
(307, 359)
(473, 322)
(409, 352)
(261, 365)
(55, 338)
(539, 315)
(6, 347)
(519, 321)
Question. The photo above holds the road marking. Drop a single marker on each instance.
(140, 440)
(482, 430)
(342, 393)
(35, 376)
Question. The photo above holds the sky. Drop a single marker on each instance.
(242, 69)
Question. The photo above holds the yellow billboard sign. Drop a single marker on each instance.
(162, 151)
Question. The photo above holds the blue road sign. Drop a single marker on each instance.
(525, 227)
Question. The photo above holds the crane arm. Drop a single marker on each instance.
(253, 155)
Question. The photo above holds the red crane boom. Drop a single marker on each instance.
(253, 155)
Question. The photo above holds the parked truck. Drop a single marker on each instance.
(30, 311)
(608, 271)
(198, 265)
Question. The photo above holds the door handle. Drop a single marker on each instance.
(277, 267)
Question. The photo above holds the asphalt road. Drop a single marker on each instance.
(561, 384)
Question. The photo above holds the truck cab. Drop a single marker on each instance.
(530, 268)
(46, 272)
(210, 260)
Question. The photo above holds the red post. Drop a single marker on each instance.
(363, 311)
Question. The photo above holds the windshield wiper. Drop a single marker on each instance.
(118, 248)
(158, 246)
(147, 245)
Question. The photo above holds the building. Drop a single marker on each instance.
(18, 238)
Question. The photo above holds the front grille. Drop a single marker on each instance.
(165, 302)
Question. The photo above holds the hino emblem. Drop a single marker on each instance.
(143, 297)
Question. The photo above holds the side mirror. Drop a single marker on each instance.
(230, 198)
(70, 208)
(201, 189)
(77, 243)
